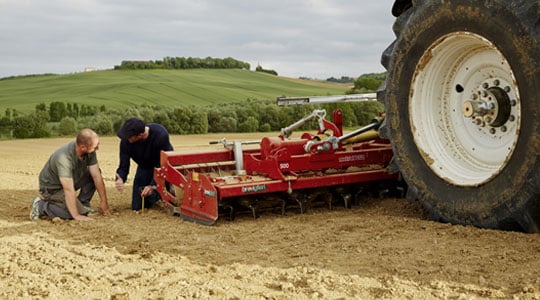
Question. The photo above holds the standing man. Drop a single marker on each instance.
(142, 143)
(72, 167)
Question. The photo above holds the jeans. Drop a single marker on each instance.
(143, 177)
(54, 204)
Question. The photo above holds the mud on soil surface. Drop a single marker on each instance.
(380, 249)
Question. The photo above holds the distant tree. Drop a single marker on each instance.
(104, 126)
(213, 116)
(227, 124)
(32, 125)
(57, 111)
(184, 63)
(366, 111)
(270, 115)
(180, 120)
(265, 128)
(41, 132)
(247, 111)
(199, 123)
(6, 120)
(251, 124)
(161, 117)
(67, 126)
(41, 107)
(367, 83)
(88, 110)
(261, 69)
(76, 111)
(69, 109)
(21, 132)
(343, 79)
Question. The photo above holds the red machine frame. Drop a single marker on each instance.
(278, 164)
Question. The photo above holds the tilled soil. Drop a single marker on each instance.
(379, 249)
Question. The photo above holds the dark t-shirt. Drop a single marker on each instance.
(145, 153)
(65, 163)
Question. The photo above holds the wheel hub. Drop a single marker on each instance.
(464, 109)
(491, 107)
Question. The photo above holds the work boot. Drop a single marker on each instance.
(34, 211)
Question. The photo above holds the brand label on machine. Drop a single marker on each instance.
(254, 188)
(208, 193)
(352, 158)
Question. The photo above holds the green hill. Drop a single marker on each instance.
(174, 88)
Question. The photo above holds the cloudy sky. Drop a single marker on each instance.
(312, 38)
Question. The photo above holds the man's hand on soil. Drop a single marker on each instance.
(82, 218)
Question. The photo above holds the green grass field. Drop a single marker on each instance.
(118, 89)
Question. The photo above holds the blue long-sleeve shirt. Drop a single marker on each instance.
(145, 153)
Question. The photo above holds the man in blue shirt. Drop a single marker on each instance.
(143, 144)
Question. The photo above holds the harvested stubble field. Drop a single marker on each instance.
(380, 249)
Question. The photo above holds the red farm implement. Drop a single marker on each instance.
(274, 172)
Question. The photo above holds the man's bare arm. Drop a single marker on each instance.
(71, 199)
(100, 187)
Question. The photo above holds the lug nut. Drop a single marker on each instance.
(503, 128)
(507, 89)
(513, 102)
(485, 85)
(492, 130)
(496, 82)
(512, 118)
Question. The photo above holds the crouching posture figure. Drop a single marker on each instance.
(143, 144)
(72, 167)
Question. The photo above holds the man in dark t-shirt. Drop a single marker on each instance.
(71, 168)
(141, 143)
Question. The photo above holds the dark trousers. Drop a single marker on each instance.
(143, 177)
(54, 204)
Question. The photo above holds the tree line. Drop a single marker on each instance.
(177, 63)
(246, 116)
(259, 68)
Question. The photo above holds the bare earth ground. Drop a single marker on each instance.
(381, 249)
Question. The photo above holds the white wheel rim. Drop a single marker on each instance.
(465, 109)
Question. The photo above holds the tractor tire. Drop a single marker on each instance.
(462, 100)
